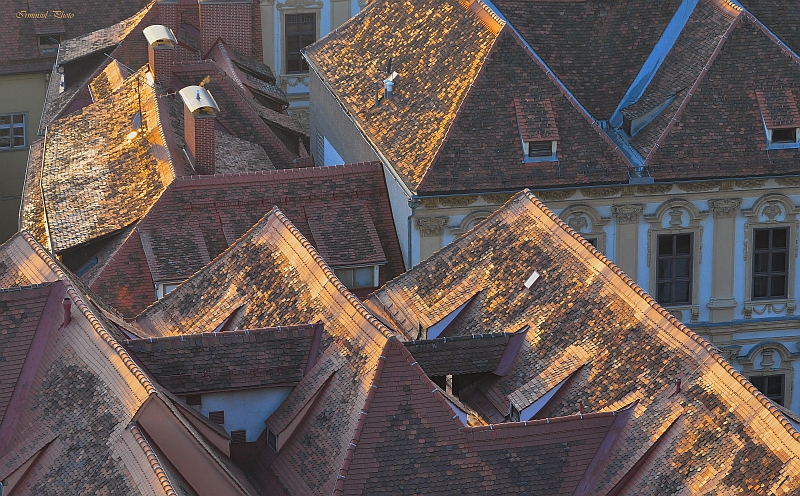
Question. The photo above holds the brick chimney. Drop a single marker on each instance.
(160, 49)
(199, 110)
(231, 20)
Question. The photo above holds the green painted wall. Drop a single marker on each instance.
(20, 93)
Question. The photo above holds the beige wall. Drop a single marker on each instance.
(20, 93)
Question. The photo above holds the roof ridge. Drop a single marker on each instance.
(537, 422)
(155, 464)
(244, 177)
(775, 38)
(239, 332)
(692, 89)
(711, 349)
(466, 337)
(87, 312)
(359, 307)
(27, 287)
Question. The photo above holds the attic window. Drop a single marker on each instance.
(217, 417)
(48, 44)
(538, 132)
(540, 149)
(194, 400)
(272, 440)
(358, 277)
(784, 135)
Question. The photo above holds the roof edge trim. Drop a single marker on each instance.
(166, 485)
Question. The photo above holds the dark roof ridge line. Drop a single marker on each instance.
(711, 349)
(155, 464)
(563, 88)
(533, 423)
(243, 177)
(360, 308)
(466, 337)
(239, 332)
(700, 78)
(132, 367)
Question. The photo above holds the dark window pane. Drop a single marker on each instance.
(665, 292)
(760, 286)
(681, 292)
(665, 269)
(787, 135)
(664, 245)
(778, 286)
(761, 263)
(301, 31)
(774, 385)
(779, 262)
(758, 382)
(5, 120)
(18, 119)
(762, 239)
(682, 268)
(19, 140)
(779, 238)
(683, 244)
(540, 149)
(591, 241)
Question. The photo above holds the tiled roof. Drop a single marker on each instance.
(595, 48)
(100, 39)
(781, 20)
(720, 131)
(197, 218)
(460, 355)
(20, 51)
(226, 360)
(631, 350)
(32, 217)
(436, 47)
(97, 179)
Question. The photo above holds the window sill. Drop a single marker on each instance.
(783, 146)
(531, 160)
(16, 149)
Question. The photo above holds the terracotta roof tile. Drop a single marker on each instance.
(32, 215)
(197, 218)
(124, 175)
(634, 350)
(460, 355)
(100, 39)
(411, 126)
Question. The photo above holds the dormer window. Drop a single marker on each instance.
(537, 129)
(48, 44)
(780, 117)
(783, 135)
(540, 149)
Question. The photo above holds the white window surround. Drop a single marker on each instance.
(678, 216)
(771, 211)
(341, 273)
(165, 287)
(771, 145)
(553, 157)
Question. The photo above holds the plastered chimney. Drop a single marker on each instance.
(161, 43)
(231, 20)
(199, 111)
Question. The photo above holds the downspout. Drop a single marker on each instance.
(413, 203)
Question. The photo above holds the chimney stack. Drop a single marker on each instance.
(231, 20)
(67, 304)
(199, 110)
(160, 48)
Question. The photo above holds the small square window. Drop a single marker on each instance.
(540, 151)
(48, 44)
(238, 437)
(217, 417)
(771, 386)
(194, 400)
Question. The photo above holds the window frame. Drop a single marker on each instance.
(770, 273)
(677, 216)
(304, 69)
(353, 268)
(587, 222)
(771, 211)
(674, 256)
(11, 126)
(553, 157)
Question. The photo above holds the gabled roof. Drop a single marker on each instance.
(429, 44)
(591, 323)
(197, 218)
(20, 52)
(96, 177)
(783, 21)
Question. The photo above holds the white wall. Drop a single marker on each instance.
(245, 409)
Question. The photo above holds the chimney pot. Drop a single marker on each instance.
(67, 304)
(387, 88)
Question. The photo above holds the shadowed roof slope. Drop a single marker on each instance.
(96, 177)
(197, 218)
(436, 47)
(590, 322)
(595, 48)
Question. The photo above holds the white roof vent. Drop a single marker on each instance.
(532, 280)
(159, 36)
(199, 101)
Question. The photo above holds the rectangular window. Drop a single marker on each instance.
(12, 131)
(786, 135)
(48, 44)
(674, 269)
(301, 31)
(217, 417)
(770, 262)
(238, 437)
(360, 277)
(771, 386)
